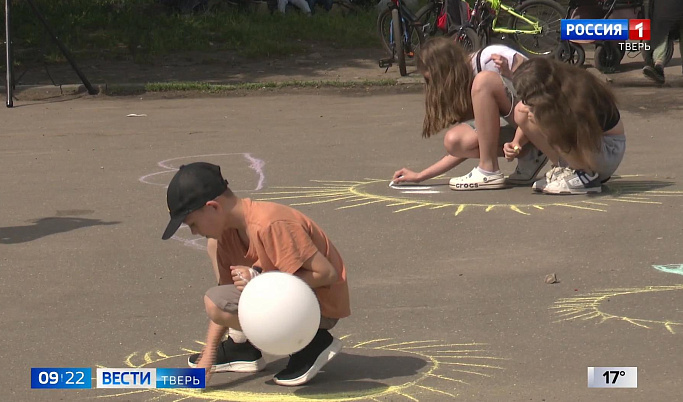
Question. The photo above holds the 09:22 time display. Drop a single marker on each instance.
(61, 378)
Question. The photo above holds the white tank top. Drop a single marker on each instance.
(485, 58)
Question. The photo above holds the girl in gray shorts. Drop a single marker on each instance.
(573, 118)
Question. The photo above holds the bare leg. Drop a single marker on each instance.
(487, 121)
(220, 322)
(534, 134)
(220, 317)
(461, 141)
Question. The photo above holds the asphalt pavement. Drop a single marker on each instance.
(449, 292)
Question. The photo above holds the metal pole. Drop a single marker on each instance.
(65, 51)
(8, 51)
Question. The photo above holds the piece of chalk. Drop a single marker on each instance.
(516, 149)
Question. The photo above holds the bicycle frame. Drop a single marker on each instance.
(495, 7)
(408, 19)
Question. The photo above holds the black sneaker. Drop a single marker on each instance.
(231, 356)
(305, 364)
(655, 73)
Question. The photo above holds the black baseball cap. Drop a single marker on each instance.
(190, 189)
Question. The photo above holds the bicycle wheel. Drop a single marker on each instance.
(399, 52)
(468, 39)
(607, 56)
(547, 14)
(428, 16)
(384, 29)
(571, 53)
(413, 43)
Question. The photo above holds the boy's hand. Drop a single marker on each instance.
(206, 361)
(511, 150)
(240, 276)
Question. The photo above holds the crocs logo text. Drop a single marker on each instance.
(467, 185)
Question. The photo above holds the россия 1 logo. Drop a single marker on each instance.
(618, 29)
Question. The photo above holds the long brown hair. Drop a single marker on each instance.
(569, 104)
(449, 76)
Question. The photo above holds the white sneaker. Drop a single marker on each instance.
(574, 182)
(539, 185)
(528, 167)
(476, 180)
(550, 175)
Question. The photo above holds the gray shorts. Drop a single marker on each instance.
(227, 297)
(612, 152)
(507, 130)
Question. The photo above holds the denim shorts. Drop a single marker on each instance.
(611, 154)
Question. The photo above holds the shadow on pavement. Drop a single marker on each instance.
(354, 374)
(347, 374)
(327, 390)
(349, 367)
(620, 186)
(45, 227)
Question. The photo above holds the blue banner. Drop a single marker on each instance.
(61, 377)
(181, 378)
(594, 29)
(79, 378)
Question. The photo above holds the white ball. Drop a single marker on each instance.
(279, 313)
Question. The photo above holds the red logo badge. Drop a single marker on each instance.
(639, 29)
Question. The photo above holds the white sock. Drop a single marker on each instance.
(237, 336)
(486, 172)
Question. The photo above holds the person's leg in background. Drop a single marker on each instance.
(659, 41)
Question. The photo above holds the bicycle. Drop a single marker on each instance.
(398, 21)
(534, 25)
(433, 19)
(430, 16)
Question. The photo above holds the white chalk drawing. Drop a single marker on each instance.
(170, 166)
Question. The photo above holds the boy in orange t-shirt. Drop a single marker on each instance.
(246, 238)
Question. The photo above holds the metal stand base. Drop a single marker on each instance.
(8, 47)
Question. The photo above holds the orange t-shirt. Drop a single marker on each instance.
(282, 238)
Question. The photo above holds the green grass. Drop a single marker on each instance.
(250, 86)
(142, 29)
(136, 89)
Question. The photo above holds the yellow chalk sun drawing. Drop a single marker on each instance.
(374, 370)
(593, 306)
(352, 194)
